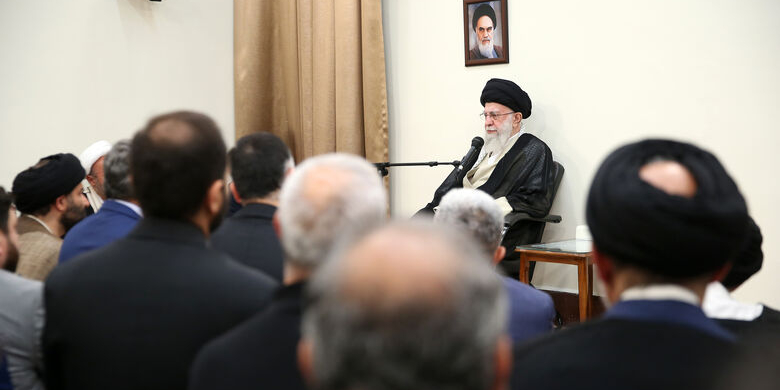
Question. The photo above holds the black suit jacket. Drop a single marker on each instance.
(758, 365)
(133, 314)
(619, 353)
(258, 354)
(249, 237)
(768, 321)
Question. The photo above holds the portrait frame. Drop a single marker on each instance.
(500, 38)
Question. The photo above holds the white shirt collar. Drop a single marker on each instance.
(660, 292)
(40, 222)
(718, 303)
(131, 206)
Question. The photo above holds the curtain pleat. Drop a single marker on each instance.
(313, 73)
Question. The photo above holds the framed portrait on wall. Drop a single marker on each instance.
(485, 37)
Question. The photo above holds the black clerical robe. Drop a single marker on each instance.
(523, 176)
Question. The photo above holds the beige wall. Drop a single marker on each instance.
(600, 73)
(76, 71)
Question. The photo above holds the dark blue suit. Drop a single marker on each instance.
(5, 378)
(259, 353)
(531, 312)
(638, 345)
(249, 237)
(112, 222)
(132, 314)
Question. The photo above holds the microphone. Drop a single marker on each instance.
(455, 177)
(471, 156)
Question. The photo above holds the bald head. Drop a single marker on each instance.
(402, 298)
(325, 198)
(174, 161)
(670, 177)
(396, 275)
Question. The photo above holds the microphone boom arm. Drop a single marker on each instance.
(382, 166)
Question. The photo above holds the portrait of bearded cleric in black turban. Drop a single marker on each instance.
(485, 32)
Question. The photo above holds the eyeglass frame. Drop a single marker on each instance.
(492, 115)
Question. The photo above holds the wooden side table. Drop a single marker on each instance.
(573, 252)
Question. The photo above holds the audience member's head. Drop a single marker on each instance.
(178, 164)
(477, 213)
(93, 161)
(406, 307)
(258, 164)
(9, 239)
(52, 190)
(118, 184)
(748, 260)
(327, 197)
(664, 212)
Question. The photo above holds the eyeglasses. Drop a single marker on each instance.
(492, 115)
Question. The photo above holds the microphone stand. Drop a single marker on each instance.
(382, 166)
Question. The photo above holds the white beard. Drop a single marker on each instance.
(486, 49)
(497, 142)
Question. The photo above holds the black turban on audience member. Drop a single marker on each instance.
(637, 224)
(34, 188)
(748, 260)
(507, 93)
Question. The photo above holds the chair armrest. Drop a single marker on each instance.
(516, 216)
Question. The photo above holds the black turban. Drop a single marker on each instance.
(749, 258)
(637, 224)
(507, 93)
(34, 187)
(483, 10)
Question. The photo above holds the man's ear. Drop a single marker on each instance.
(517, 118)
(92, 180)
(499, 254)
(277, 225)
(721, 273)
(234, 191)
(305, 363)
(215, 197)
(503, 363)
(604, 266)
(61, 203)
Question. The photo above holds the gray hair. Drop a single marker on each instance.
(116, 168)
(476, 212)
(325, 198)
(440, 334)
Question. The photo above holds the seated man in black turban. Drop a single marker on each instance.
(50, 199)
(666, 219)
(514, 167)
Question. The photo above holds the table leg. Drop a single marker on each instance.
(584, 289)
(590, 290)
(523, 274)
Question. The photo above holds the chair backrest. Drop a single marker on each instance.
(528, 230)
(557, 175)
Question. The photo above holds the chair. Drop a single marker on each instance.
(521, 229)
